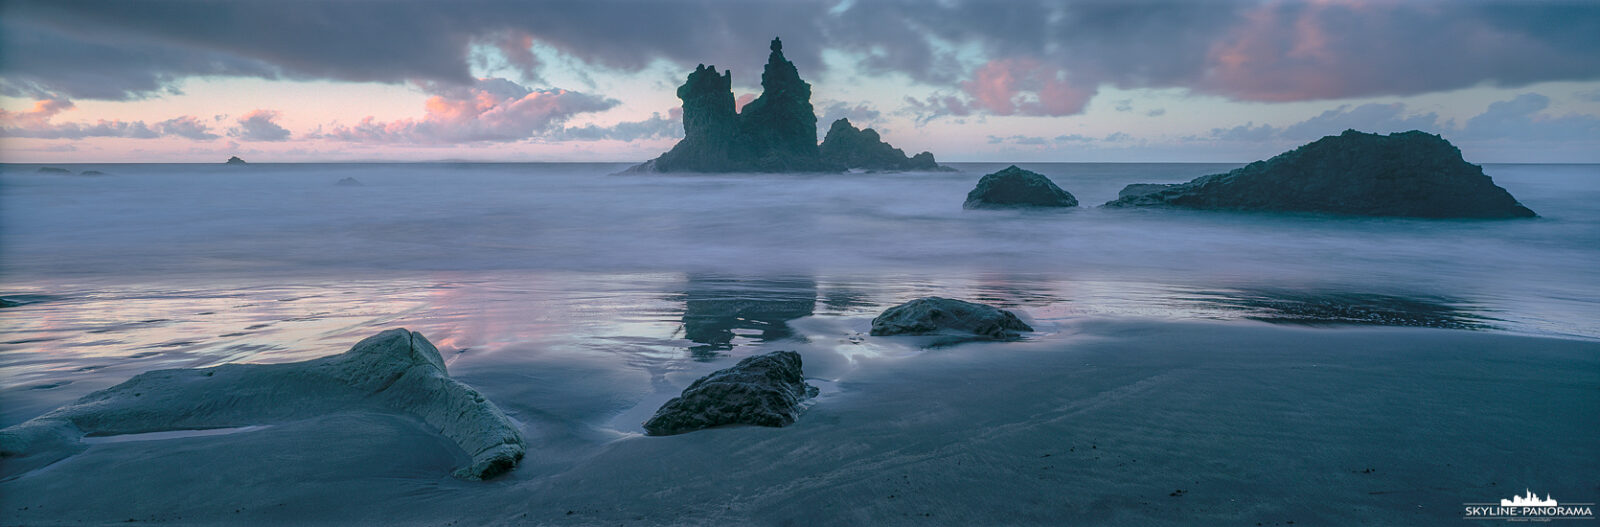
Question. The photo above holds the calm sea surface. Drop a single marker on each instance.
(157, 266)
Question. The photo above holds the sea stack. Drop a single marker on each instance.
(1017, 188)
(1408, 174)
(777, 132)
(235, 161)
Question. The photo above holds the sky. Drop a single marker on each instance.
(1010, 81)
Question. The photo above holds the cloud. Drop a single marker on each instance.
(936, 106)
(1025, 87)
(1518, 118)
(1245, 132)
(1026, 140)
(657, 126)
(860, 114)
(1241, 49)
(188, 127)
(1293, 51)
(1376, 118)
(258, 125)
(1125, 105)
(37, 122)
(1158, 112)
(492, 110)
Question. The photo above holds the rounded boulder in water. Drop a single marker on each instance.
(943, 316)
(1017, 188)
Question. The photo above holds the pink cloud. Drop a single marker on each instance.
(738, 104)
(492, 110)
(39, 115)
(259, 125)
(36, 123)
(1025, 86)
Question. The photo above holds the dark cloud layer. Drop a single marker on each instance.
(1519, 118)
(1036, 57)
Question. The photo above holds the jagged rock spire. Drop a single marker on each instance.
(777, 132)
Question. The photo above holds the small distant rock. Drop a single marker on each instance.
(53, 170)
(349, 182)
(942, 316)
(1408, 174)
(1015, 188)
(91, 173)
(764, 390)
(235, 161)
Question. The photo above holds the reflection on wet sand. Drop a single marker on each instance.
(717, 309)
(1017, 290)
(1369, 309)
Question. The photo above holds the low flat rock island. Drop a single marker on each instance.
(1408, 174)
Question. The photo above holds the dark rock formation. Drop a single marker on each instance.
(848, 147)
(764, 390)
(777, 132)
(53, 170)
(1014, 188)
(396, 371)
(1409, 174)
(91, 173)
(942, 316)
(709, 125)
(349, 182)
(235, 161)
(4, 303)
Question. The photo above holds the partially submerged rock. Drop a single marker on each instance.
(91, 173)
(1408, 174)
(396, 371)
(943, 316)
(852, 148)
(349, 182)
(235, 161)
(764, 390)
(4, 303)
(1015, 188)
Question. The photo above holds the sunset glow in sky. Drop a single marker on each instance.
(1231, 81)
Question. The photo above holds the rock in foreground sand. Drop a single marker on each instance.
(764, 390)
(396, 371)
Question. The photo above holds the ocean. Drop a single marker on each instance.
(155, 266)
(1174, 349)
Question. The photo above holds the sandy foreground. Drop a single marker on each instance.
(1106, 422)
